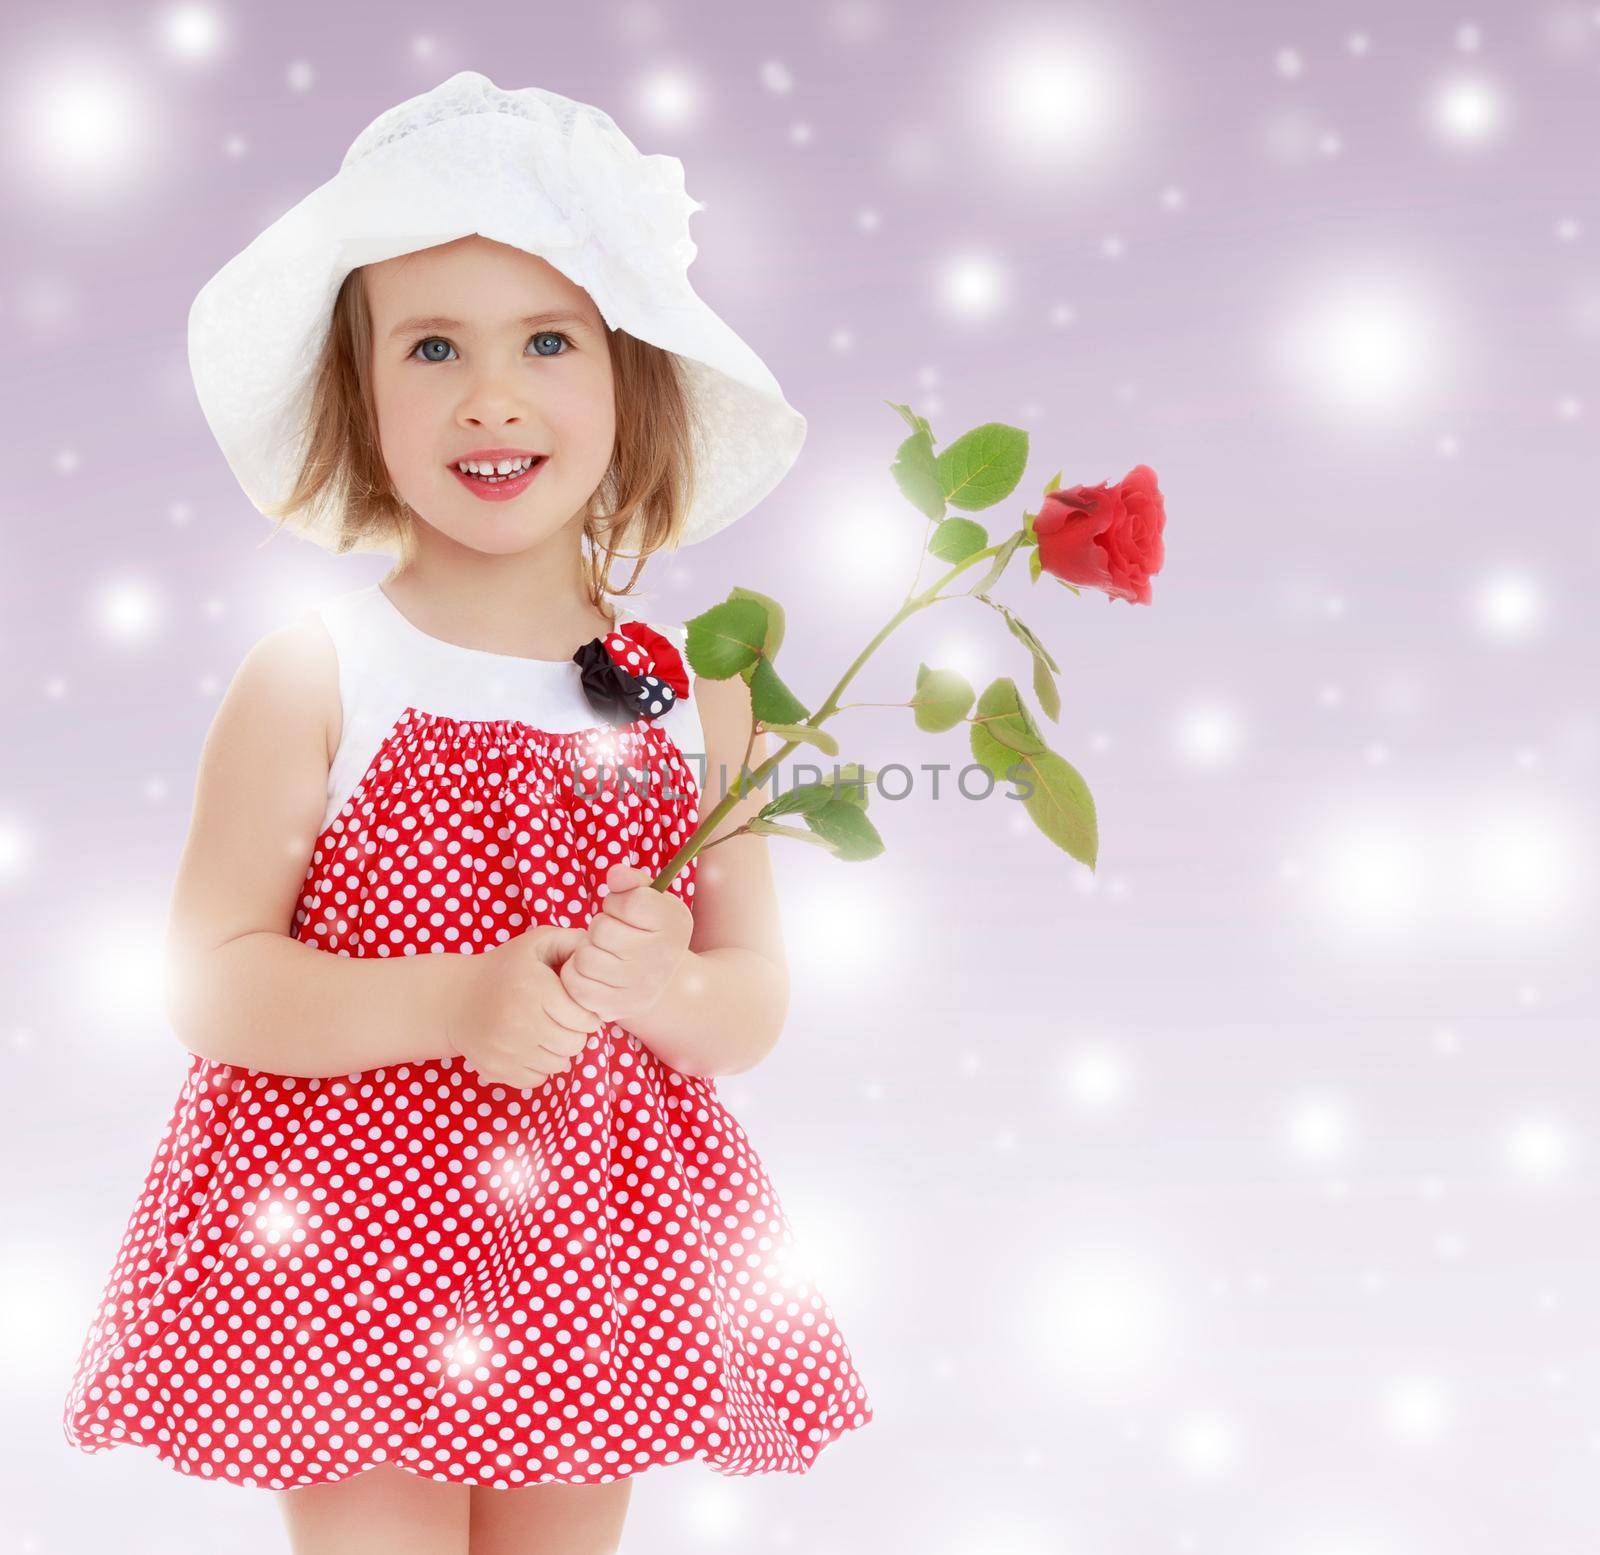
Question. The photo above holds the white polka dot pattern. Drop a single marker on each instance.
(478, 1283)
(655, 696)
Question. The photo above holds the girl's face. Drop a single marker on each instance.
(456, 369)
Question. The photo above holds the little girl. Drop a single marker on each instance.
(449, 1235)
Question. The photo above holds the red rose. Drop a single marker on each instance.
(1105, 537)
(641, 650)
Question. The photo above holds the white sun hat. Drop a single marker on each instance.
(527, 168)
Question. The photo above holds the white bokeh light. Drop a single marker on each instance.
(971, 286)
(190, 33)
(1369, 872)
(16, 850)
(828, 1250)
(1519, 866)
(1538, 1150)
(868, 550)
(714, 1516)
(967, 654)
(670, 99)
(1207, 736)
(119, 970)
(1096, 1078)
(1366, 346)
(1205, 1445)
(40, 1320)
(1467, 110)
(1107, 1321)
(1054, 97)
(126, 612)
(839, 935)
(1509, 607)
(1319, 1128)
(776, 77)
(82, 124)
(1414, 1410)
(1461, 865)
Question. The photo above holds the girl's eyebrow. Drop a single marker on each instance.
(557, 316)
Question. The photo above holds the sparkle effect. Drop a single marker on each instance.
(1357, 304)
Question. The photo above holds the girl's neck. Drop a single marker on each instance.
(499, 616)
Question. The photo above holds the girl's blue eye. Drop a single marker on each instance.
(555, 334)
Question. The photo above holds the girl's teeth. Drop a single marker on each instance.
(495, 480)
(505, 467)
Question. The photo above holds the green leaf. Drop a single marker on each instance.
(1045, 692)
(1002, 559)
(982, 467)
(1062, 806)
(803, 796)
(958, 538)
(1057, 800)
(846, 826)
(775, 618)
(1002, 714)
(771, 700)
(917, 473)
(841, 788)
(852, 784)
(724, 640)
(1035, 565)
(1055, 482)
(1044, 666)
(941, 699)
(818, 737)
(998, 758)
(1025, 636)
(912, 419)
(772, 829)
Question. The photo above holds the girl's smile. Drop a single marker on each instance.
(499, 488)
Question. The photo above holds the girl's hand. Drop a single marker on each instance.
(517, 1025)
(631, 948)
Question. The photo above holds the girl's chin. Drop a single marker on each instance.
(505, 533)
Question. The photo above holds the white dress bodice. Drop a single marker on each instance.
(387, 664)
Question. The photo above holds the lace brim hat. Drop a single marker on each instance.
(527, 168)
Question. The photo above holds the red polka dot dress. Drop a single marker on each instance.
(478, 1283)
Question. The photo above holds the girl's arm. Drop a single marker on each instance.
(724, 1009)
(239, 989)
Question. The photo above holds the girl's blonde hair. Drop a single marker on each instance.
(344, 495)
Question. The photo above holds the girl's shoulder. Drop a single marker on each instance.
(289, 677)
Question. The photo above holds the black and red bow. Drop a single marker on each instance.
(633, 672)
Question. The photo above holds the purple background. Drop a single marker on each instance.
(1237, 1199)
